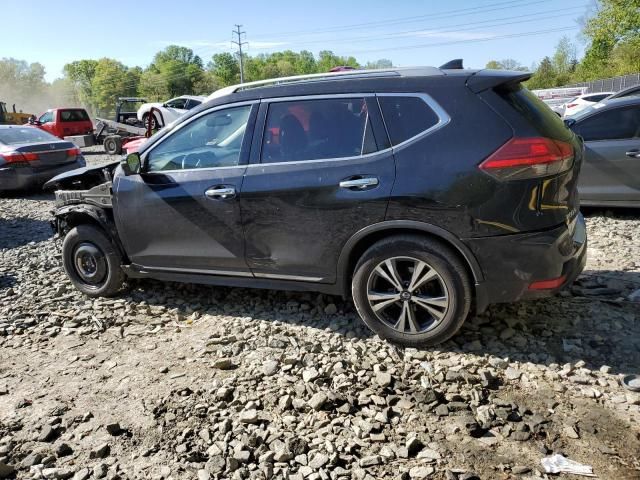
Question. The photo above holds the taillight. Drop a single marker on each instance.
(15, 157)
(572, 105)
(534, 157)
(73, 152)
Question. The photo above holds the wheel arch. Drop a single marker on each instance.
(363, 239)
(69, 217)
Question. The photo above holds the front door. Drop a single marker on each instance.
(611, 167)
(182, 213)
(320, 176)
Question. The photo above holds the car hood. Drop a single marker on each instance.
(84, 177)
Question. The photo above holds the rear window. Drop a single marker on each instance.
(539, 115)
(17, 135)
(406, 117)
(76, 115)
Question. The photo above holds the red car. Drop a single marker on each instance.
(64, 122)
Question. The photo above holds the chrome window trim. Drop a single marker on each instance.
(188, 122)
(296, 162)
(443, 117)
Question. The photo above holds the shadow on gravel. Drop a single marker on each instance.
(599, 327)
(7, 281)
(595, 323)
(611, 212)
(19, 231)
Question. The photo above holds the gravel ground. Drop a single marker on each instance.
(185, 382)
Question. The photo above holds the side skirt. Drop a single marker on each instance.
(134, 271)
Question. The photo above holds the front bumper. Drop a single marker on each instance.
(511, 263)
(21, 178)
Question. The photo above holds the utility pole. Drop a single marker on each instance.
(239, 43)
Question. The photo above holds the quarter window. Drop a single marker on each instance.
(317, 129)
(406, 117)
(610, 125)
(213, 140)
(177, 103)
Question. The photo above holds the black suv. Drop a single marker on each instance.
(422, 193)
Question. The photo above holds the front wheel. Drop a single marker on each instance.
(92, 262)
(412, 290)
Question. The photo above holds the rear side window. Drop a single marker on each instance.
(406, 117)
(191, 103)
(17, 135)
(317, 130)
(77, 115)
(597, 97)
(614, 124)
(539, 115)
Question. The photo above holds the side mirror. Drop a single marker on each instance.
(131, 164)
(569, 122)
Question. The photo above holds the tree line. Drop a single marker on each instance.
(612, 37)
(174, 71)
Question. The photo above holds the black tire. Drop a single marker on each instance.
(113, 145)
(149, 117)
(86, 246)
(420, 325)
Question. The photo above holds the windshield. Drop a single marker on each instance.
(585, 112)
(18, 135)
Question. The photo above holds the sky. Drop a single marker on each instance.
(408, 32)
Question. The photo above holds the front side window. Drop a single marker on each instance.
(46, 117)
(191, 103)
(597, 97)
(213, 140)
(616, 124)
(177, 103)
(406, 117)
(76, 115)
(317, 129)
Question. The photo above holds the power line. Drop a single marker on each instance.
(239, 43)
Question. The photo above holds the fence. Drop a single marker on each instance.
(614, 84)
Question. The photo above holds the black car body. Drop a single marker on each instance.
(30, 156)
(422, 193)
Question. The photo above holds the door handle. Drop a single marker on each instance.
(221, 192)
(359, 183)
(633, 153)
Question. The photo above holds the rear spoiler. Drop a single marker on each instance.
(485, 79)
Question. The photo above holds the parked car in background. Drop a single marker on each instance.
(583, 101)
(627, 92)
(422, 193)
(610, 173)
(558, 105)
(171, 110)
(64, 122)
(30, 156)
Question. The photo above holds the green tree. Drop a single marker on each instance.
(110, 81)
(225, 69)
(80, 73)
(327, 60)
(506, 64)
(564, 61)
(179, 69)
(616, 22)
(544, 76)
(22, 84)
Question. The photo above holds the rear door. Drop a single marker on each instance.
(322, 170)
(611, 170)
(183, 214)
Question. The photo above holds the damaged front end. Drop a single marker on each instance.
(84, 196)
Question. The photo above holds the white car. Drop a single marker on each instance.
(171, 110)
(581, 102)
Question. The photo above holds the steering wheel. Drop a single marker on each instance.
(198, 160)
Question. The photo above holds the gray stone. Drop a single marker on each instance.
(82, 474)
(318, 400)
(249, 416)
(102, 451)
(270, 367)
(370, 461)
(31, 460)
(224, 364)
(63, 450)
(383, 379)
(318, 461)
(421, 472)
(215, 464)
(331, 309)
(512, 373)
(6, 471)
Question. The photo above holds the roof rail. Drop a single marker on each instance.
(318, 77)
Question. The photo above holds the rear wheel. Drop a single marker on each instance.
(113, 145)
(411, 290)
(148, 117)
(92, 262)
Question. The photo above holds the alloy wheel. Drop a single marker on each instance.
(408, 295)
